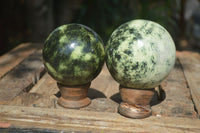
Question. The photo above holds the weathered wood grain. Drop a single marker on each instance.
(174, 100)
(61, 119)
(176, 96)
(191, 66)
(173, 109)
(9, 60)
(45, 94)
(22, 77)
(46, 86)
(42, 94)
(105, 83)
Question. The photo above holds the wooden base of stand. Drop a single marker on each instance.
(74, 96)
(135, 102)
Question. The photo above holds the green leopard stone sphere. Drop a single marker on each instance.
(73, 54)
(140, 54)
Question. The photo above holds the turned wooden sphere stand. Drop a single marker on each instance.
(74, 96)
(135, 102)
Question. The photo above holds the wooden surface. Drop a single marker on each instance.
(62, 119)
(21, 78)
(191, 67)
(15, 56)
(28, 100)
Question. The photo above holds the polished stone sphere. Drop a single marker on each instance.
(140, 54)
(73, 54)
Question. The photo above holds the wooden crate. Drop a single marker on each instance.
(28, 99)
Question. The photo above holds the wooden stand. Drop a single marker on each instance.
(135, 102)
(74, 96)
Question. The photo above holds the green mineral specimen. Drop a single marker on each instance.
(73, 54)
(140, 54)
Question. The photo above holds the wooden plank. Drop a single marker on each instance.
(101, 90)
(41, 95)
(22, 77)
(191, 65)
(174, 100)
(9, 60)
(175, 96)
(103, 86)
(46, 86)
(105, 83)
(45, 94)
(62, 119)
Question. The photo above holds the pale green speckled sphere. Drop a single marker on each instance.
(140, 54)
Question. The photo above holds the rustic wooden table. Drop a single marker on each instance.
(28, 99)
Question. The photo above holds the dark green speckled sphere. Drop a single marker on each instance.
(73, 54)
(140, 54)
